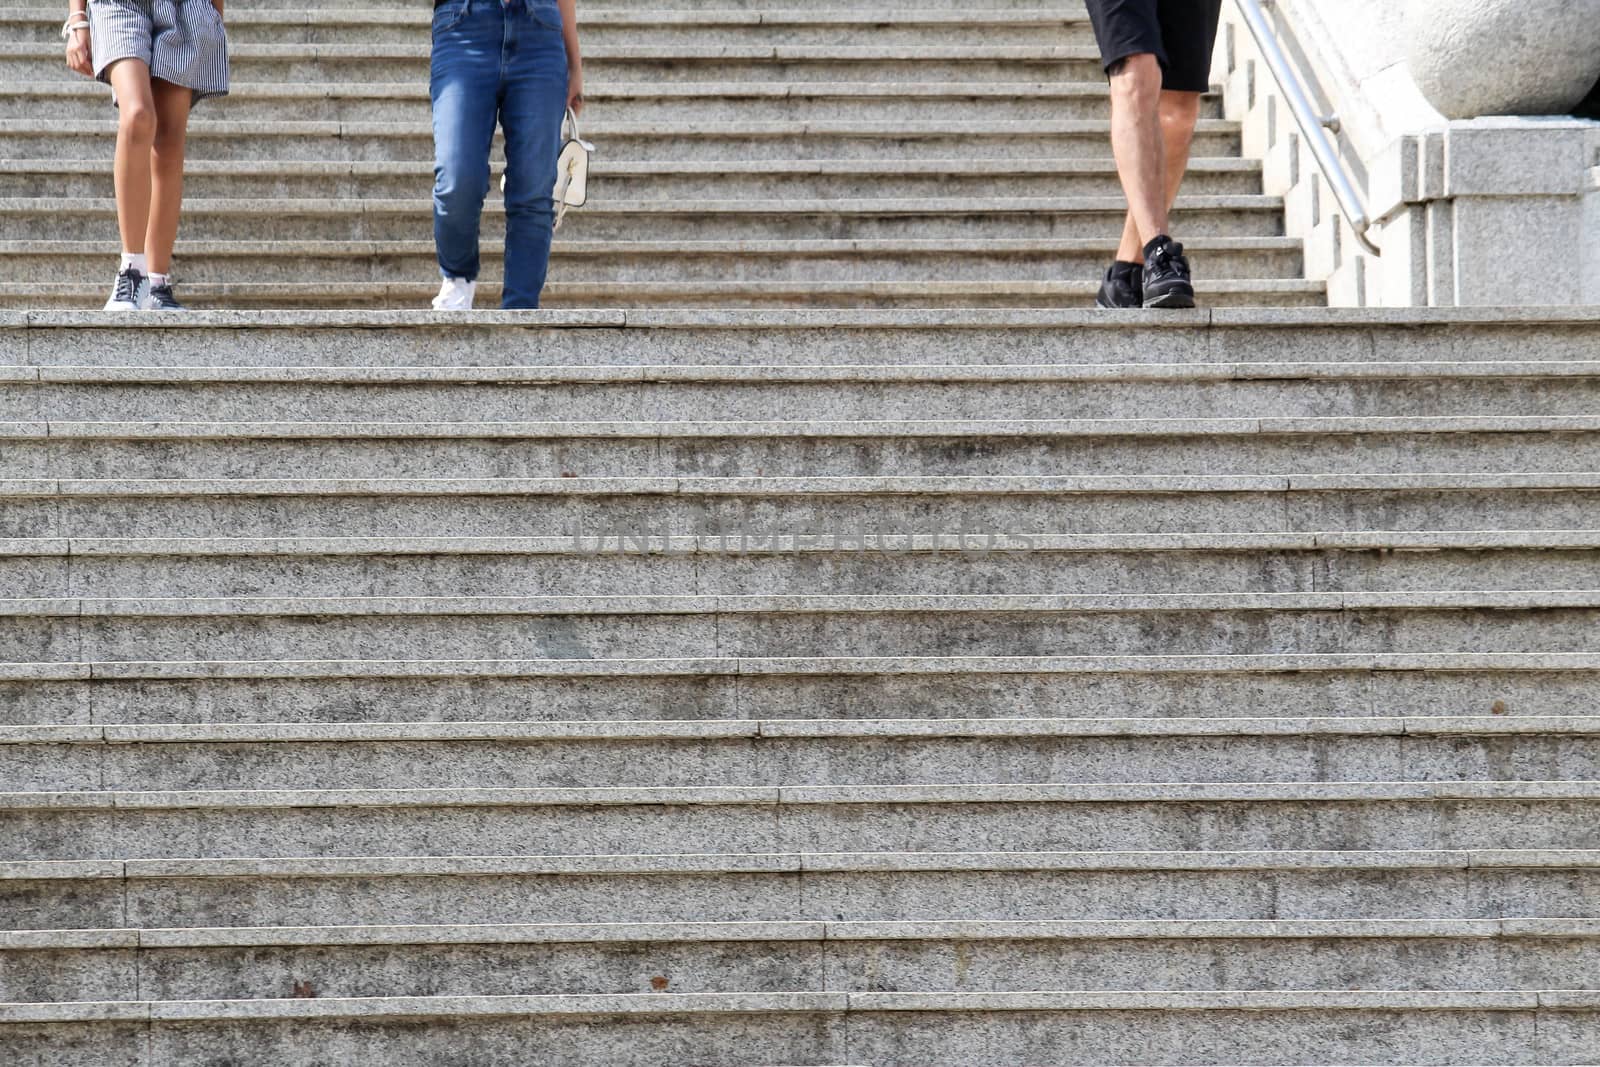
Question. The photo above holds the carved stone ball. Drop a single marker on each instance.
(1503, 57)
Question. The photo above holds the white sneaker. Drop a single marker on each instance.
(130, 293)
(455, 295)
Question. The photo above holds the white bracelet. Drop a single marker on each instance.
(69, 26)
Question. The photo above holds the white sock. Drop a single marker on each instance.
(135, 260)
(158, 280)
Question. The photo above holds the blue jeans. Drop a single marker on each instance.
(497, 61)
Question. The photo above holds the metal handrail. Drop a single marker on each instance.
(1312, 126)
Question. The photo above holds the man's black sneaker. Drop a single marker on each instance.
(1123, 286)
(1166, 275)
(162, 299)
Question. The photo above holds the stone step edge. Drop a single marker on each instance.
(631, 374)
(817, 930)
(789, 863)
(700, 730)
(665, 16)
(374, 51)
(747, 543)
(905, 485)
(669, 292)
(982, 207)
(779, 797)
(780, 667)
(797, 604)
(654, 1004)
(780, 247)
(1016, 165)
(957, 91)
(747, 429)
(1395, 324)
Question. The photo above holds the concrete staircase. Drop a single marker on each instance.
(883, 687)
(835, 154)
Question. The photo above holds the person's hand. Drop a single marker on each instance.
(79, 56)
(575, 87)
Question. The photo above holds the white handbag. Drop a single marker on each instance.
(572, 169)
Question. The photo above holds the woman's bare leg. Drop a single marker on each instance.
(172, 103)
(136, 131)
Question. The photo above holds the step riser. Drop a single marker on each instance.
(972, 455)
(592, 567)
(895, 1039)
(624, 398)
(1335, 694)
(611, 35)
(1083, 339)
(709, 108)
(178, 515)
(933, 827)
(792, 966)
(730, 897)
(410, 267)
(417, 225)
(415, 144)
(583, 296)
(603, 68)
(796, 762)
(613, 186)
(911, 633)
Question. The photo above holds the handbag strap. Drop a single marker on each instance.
(571, 121)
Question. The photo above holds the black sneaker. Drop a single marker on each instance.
(1123, 287)
(1166, 275)
(161, 299)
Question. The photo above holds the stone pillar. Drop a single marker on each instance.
(1489, 212)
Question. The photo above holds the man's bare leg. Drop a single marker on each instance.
(1137, 143)
(1180, 113)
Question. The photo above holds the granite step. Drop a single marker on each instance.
(1127, 816)
(626, 61)
(1027, 391)
(887, 1029)
(740, 561)
(1180, 886)
(230, 268)
(308, 692)
(644, 179)
(789, 752)
(376, 142)
(600, 25)
(682, 102)
(678, 627)
(981, 449)
(961, 956)
(775, 509)
(648, 179)
(584, 339)
(642, 220)
(711, 295)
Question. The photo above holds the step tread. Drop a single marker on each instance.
(800, 667)
(653, 1004)
(927, 542)
(803, 729)
(784, 603)
(786, 863)
(958, 930)
(786, 796)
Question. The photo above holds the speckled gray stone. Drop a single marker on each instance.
(1488, 57)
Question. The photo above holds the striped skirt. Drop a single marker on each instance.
(182, 41)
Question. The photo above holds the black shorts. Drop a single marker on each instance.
(1179, 33)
